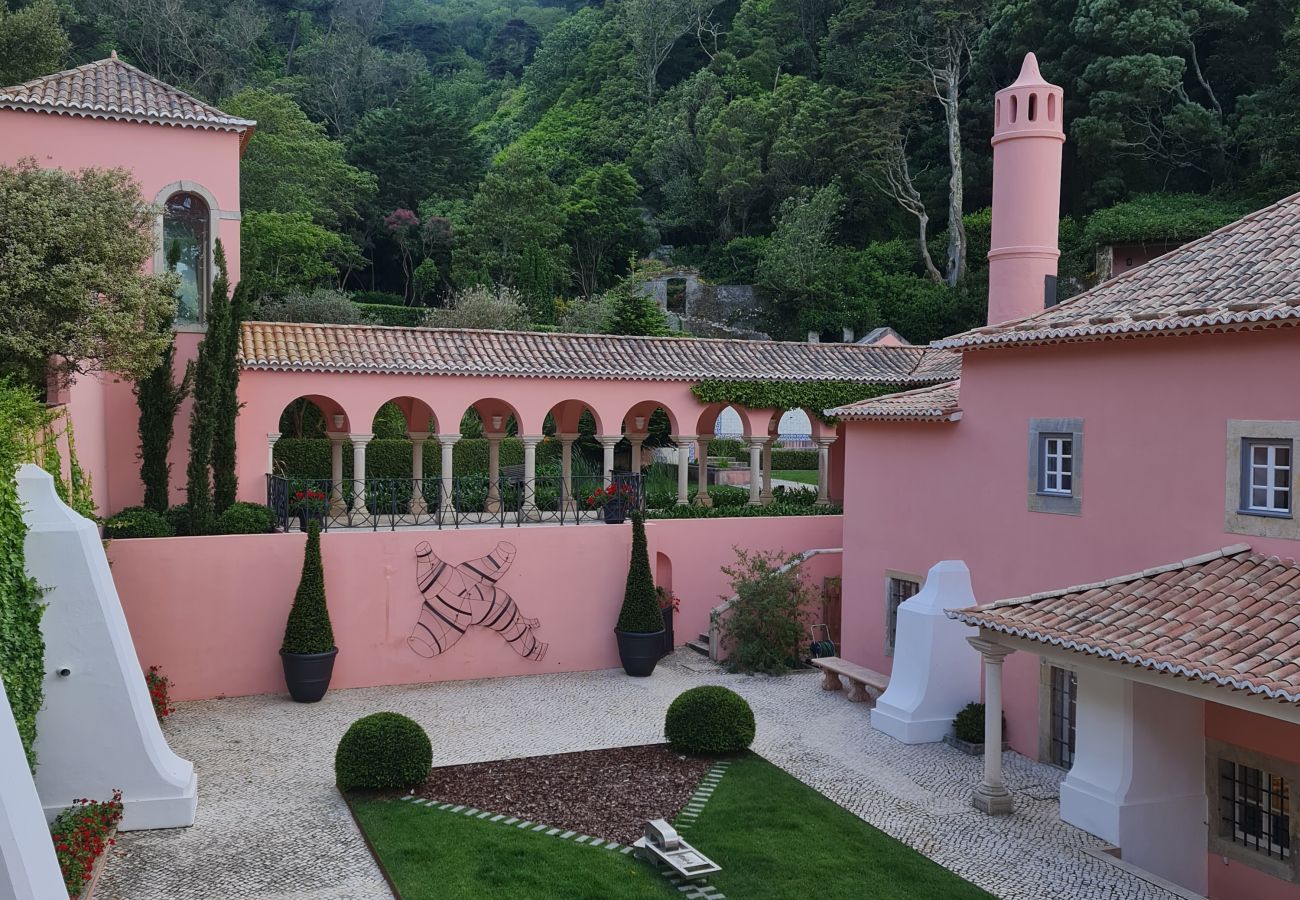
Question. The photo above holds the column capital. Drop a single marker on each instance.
(826, 441)
(684, 438)
(991, 651)
(756, 442)
(272, 437)
(360, 439)
(609, 440)
(336, 437)
(531, 440)
(567, 438)
(495, 435)
(448, 438)
(417, 436)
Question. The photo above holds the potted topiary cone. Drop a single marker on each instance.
(640, 629)
(308, 651)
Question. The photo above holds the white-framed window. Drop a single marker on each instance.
(898, 588)
(1057, 467)
(1266, 477)
(1256, 809)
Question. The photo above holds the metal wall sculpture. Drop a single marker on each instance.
(458, 596)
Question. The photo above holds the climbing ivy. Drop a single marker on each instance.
(1156, 217)
(22, 649)
(813, 396)
(75, 490)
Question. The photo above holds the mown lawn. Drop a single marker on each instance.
(773, 836)
(803, 476)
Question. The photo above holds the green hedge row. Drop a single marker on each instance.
(794, 459)
(393, 315)
(785, 508)
(391, 457)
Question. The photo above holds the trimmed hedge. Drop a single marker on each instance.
(709, 720)
(640, 611)
(794, 459)
(178, 517)
(775, 508)
(308, 629)
(137, 522)
(393, 315)
(391, 457)
(382, 750)
(246, 518)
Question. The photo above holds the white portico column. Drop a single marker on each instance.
(824, 470)
(530, 442)
(493, 505)
(271, 438)
(359, 442)
(991, 796)
(702, 497)
(445, 443)
(418, 506)
(566, 470)
(684, 444)
(766, 496)
(756, 470)
(337, 506)
(607, 444)
(634, 461)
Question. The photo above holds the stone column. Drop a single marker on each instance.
(445, 443)
(684, 443)
(271, 438)
(337, 506)
(824, 470)
(756, 470)
(570, 502)
(766, 496)
(529, 510)
(607, 443)
(636, 440)
(493, 504)
(702, 497)
(418, 505)
(991, 796)
(359, 442)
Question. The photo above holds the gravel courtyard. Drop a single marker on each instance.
(271, 825)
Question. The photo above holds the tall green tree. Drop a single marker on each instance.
(209, 375)
(159, 396)
(226, 404)
(283, 252)
(32, 42)
(603, 224)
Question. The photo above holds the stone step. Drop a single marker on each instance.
(699, 647)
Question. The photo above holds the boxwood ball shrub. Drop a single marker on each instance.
(383, 750)
(246, 518)
(137, 522)
(709, 720)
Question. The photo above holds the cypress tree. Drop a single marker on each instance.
(159, 397)
(640, 613)
(226, 406)
(207, 391)
(308, 629)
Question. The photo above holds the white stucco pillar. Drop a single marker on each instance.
(702, 497)
(359, 442)
(337, 505)
(446, 443)
(607, 444)
(824, 470)
(684, 444)
(570, 503)
(418, 506)
(766, 496)
(992, 796)
(271, 438)
(756, 470)
(530, 443)
(636, 440)
(29, 870)
(493, 505)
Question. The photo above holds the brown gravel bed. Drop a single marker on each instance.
(604, 793)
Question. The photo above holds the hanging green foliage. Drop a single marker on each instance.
(815, 397)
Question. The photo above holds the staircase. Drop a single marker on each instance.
(700, 644)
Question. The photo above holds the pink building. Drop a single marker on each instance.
(1122, 465)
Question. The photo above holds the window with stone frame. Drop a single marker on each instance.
(1064, 701)
(1261, 481)
(1055, 476)
(1255, 808)
(1266, 477)
(898, 588)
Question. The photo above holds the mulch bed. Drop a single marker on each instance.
(604, 793)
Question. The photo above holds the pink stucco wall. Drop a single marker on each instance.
(1155, 415)
(211, 610)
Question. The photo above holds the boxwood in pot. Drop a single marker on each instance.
(308, 650)
(640, 628)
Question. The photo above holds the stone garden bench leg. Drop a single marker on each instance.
(858, 692)
(831, 681)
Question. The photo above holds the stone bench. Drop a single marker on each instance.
(865, 685)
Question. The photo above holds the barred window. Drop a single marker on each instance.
(1256, 809)
(1065, 691)
(899, 589)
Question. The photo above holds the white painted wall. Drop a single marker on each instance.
(97, 730)
(936, 671)
(29, 870)
(1138, 779)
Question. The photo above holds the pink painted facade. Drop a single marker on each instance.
(211, 610)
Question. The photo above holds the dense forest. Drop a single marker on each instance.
(833, 152)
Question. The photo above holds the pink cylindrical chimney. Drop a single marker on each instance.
(1027, 139)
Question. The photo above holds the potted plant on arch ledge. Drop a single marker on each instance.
(613, 500)
(640, 628)
(308, 650)
(310, 505)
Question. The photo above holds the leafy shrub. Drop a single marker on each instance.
(794, 496)
(81, 835)
(246, 518)
(728, 447)
(794, 459)
(640, 612)
(378, 298)
(391, 457)
(138, 522)
(798, 507)
(766, 623)
(709, 720)
(324, 306)
(726, 495)
(968, 726)
(407, 316)
(382, 750)
(178, 517)
(308, 629)
(482, 307)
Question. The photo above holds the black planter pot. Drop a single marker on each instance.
(639, 652)
(667, 613)
(306, 517)
(307, 675)
(615, 513)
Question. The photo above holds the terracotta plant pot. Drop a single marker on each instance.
(638, 652)
(307, 675)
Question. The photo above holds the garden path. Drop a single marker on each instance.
(271, 825)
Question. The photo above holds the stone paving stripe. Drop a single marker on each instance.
(510, 821)
(540, 828)
(626, 850)
(497, 818)
(457, 808)
(567, 835)
(553, 832)
(484, 815)
(408, 797)
(524, 825)
(581, 839)
(445, 806)
(612, 845)
(471, 811)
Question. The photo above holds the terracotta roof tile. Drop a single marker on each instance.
(1244, 276)
(1226, 618)
(112, 89)
(448, 351)
(927, 404)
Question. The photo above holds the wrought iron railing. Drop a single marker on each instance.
(407, 502)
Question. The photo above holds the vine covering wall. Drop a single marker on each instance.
(813, 396)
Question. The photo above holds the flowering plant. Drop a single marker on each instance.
(81, 834)
(160, 690)
(309, 500)
(667, 599)
(613, 493)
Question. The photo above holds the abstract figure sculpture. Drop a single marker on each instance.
(456, 597)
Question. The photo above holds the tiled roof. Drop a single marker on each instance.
(927, 404)
(112, 89)
(1231, 617)
(1244, 276)
(448, 351)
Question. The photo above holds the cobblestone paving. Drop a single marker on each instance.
(271, 825)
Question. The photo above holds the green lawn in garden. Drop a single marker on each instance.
(804, 476)
(773, 836)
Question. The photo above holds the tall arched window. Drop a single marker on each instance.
(187, 252)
